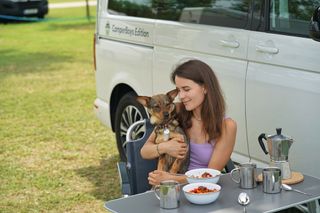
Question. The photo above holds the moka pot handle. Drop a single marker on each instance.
(262, 136)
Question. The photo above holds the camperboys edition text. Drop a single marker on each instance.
(131, 31)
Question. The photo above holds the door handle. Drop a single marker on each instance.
(232, 44)
(264, 49)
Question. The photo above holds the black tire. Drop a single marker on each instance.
(128, 112)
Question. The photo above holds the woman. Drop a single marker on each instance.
(202, 115)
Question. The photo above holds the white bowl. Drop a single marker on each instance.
(194, 175)
(201, 198)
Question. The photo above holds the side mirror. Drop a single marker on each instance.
(314, 26)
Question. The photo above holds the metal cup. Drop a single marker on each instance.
(271, 180)
(247, 175)
(168, 192)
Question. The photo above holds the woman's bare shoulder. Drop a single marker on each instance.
(230, 123)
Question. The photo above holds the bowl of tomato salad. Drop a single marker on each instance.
(203, 175)
(201, 193)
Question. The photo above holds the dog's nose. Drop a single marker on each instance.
(166, 114)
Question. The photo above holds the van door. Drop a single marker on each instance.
(203, 31)
(283, 83)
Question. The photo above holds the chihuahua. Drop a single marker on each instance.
(163, 116)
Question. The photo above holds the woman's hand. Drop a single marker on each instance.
(157, 176)
(175, 147)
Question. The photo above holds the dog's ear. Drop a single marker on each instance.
(172, 94)
(144, 100)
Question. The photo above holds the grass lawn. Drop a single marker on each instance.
(54, 154)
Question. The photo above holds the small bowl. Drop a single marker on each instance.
(201, 198)
(194, 175)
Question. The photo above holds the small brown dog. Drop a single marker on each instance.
(163, 116)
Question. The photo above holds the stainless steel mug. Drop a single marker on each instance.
(168, 192)
(272, 180)
(247, 175)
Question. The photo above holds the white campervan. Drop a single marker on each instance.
(261, 51)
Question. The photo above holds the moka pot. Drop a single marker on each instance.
(278, 149)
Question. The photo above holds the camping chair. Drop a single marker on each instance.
(134, 173)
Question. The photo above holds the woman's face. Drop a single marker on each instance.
(191, 94)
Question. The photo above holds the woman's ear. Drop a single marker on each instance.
(204, 90)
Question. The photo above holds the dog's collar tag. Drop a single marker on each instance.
(166, 134)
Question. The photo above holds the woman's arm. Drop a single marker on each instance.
(157, 176)
(149, 149)
(224, 145)
(174, 147)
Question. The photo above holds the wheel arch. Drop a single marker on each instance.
(118, 92)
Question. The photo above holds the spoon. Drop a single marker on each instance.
(289, 188)
(244, 200)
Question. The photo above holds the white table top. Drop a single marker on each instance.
(227, 201)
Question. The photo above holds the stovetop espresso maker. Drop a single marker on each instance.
(278, 149)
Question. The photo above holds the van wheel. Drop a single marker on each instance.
(128, 112)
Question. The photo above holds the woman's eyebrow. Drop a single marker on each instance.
(183, 87)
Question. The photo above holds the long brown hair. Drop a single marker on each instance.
(213, 106)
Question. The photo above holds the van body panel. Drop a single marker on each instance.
(102, 111)
(133, 30)
(283, 90)
(130, 67)
(287, 98)
(210, 39)
(268, 67)
(296, 52)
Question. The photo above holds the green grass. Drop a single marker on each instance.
(54, 154)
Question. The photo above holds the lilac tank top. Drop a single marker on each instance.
(200, 154)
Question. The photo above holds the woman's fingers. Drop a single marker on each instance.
(175, 148)
(181, 156)
(156, 177)
(151, 178)
(151, 181)
(179, 138)
(181, 151)
(184, 148)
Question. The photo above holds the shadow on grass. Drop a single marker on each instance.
(65, 25)
(19, 20)
(18, 62)
(104, 177)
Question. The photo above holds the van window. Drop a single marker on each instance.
(223, 13)
(138, 8)
(258, 16)
(226, 13)
(291, 16)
